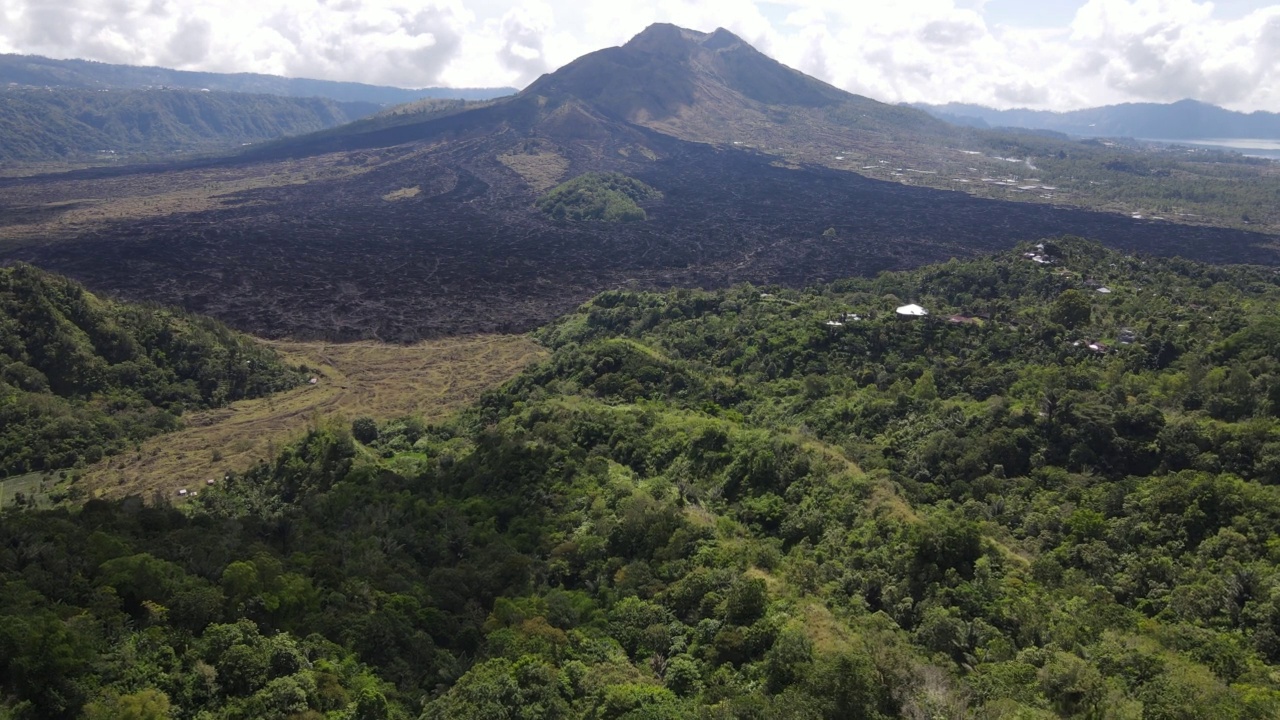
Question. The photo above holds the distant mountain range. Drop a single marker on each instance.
(33, 70)
(60, 124)
(1182, 120)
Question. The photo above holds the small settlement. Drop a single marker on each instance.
(1040, 256)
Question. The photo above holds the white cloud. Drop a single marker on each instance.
(1171, 49)
(382, 41)
(908, 50)
(522, 31)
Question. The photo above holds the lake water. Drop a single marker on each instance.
(1253, 147)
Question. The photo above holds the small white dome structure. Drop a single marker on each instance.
(912, 310)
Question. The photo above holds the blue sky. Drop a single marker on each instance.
(1053, 54)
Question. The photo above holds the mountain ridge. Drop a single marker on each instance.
(652, 81)
(653, 58)
(96, 125)
(1182, 120)
(35, 70)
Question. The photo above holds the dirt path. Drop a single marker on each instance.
(431, 379)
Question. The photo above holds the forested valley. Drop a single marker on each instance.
(1051, 497)
(82, 377)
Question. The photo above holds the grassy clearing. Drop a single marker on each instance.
(35, 486)
(541, 169)
(824, 630)
(432, 379)
(403, 193)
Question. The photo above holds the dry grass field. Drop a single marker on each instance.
(432, 379)
(541, 169)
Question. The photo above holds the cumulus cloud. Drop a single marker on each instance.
(522, 31)
(1172, 49)
(401, 42)
(1112, 51)
(190, 43)
(908, 50)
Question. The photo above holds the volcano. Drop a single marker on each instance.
(421, 225)
(702, 87)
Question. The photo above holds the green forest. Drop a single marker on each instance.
(82, 377)
(605, 196)
(40, 125)
(1053, 497)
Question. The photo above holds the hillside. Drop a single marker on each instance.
(425, 224)
(40, 72)
(1041, 501)
(77, 125)
(82, 377)
(1183, 120)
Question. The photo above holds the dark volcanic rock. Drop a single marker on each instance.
(341, 263)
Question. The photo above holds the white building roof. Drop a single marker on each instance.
(912, 311)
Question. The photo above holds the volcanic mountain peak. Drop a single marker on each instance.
(666, 69)
(688, 85)
(665, 39)
(668, 39)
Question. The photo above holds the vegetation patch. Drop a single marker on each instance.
(403, 193)
(32, 490)
(607, 196)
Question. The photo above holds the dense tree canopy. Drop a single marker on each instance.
(606, 196)
(82, 377)
(730, 504)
